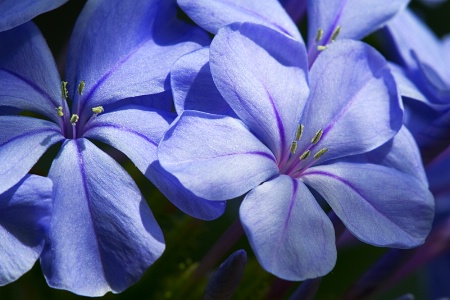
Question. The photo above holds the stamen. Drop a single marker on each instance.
(293, 147)
(321, 48)
(81, 87)
(320, 153)
(317, 137)
(299, 132)
(64, 92)
(74, 119)
(335, 33)
(59, 111)
(319, 34)
(97, 110)
(305, 155)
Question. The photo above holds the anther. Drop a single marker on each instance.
(64, 92)
(74, 119)
(305, 155)
(320, 153)
(81, 87)
(317, 137)
(293, 147)
(97, 110)
(321, 48)
(59, 111)
(299, 132)
(319, 34)
(335, 33)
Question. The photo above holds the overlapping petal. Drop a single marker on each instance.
(262, 75)
(25, 211)
(28, 73)
(357, 18)
(23, 140)
(14, 13)
(136, 131)
(353, 100)
(289, 232)
(103, 236)
(216, 157)
(379, 205)
(193, 86)
(140, 53)
(214, 14)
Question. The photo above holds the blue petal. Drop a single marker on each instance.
(193, 86)
(295, 8)
(103, 236)
(289, 232)
(143, 39)
(406, 85)
(262, 75)
(13, 13)
(357, 18)
(23, 140)
(379, 205)
(24, 219)
(353, 100)
(214, 14)
(438, 174)
(216, 157)
(136, 132)
(30, 80)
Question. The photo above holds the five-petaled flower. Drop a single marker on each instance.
(329, 129)
(102, 235)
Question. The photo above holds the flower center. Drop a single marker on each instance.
(300, 160)
(71, 127)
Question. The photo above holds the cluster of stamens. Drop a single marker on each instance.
(314, 141)
(319, 36)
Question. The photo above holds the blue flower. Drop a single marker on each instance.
(14, 13)
(329, 129)
(102, 235)
(25, 211)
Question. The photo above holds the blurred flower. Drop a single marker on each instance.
(291, 128)
(102, 235)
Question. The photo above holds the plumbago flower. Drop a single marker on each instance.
(25, 211)
(14, 13)
(294, 131)
(102, 235)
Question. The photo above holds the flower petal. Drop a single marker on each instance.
(262, 75)
(103, 236)
(193, 86)
(437, 172)
(353, 100)
(214, 14)
(28, 73)
(136, 131)
(23, 140)
(357, 18)
(289, 232)
(139, 55)
(24, 219)
(379, 205)
(14, 12)
(216, 157)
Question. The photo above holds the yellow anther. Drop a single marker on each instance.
(81, 87)
(335, 33)
(293, 147)
(59, 111)
(74, 119)
(305, 155)
(64, 92)
(97, 110)
(321, 48)
(317, 137)
(320, 153)
(299, 132)
(319, 34)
